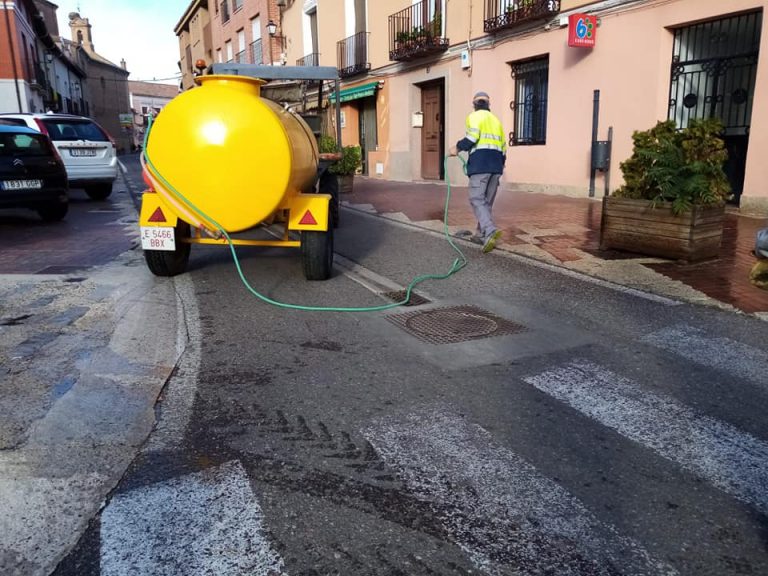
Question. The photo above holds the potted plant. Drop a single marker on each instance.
(345, 168)
(672, 203)
(351, 160)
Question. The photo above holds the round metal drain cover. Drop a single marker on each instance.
(454, 324)
(451, 324)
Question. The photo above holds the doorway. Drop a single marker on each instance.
(432, 145)
(714, 68)
(367, 128)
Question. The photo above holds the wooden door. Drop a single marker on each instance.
(432, 132)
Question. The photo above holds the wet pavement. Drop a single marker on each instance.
(565, 231)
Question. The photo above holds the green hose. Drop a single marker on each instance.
(457, 265)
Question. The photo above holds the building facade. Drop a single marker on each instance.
(107, 84)
(195, 42)
(561, 75)
(37, 72)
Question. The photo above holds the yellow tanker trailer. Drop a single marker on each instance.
(220, 160)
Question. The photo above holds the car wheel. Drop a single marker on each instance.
(53, 212)
(99, 191)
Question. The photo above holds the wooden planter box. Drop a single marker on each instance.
(634, 226)
(346, 183)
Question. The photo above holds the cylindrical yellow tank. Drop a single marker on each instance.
(231, 153)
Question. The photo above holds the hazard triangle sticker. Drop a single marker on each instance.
(308, 219)
(157, 216)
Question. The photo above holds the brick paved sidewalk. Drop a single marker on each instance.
(566, 232)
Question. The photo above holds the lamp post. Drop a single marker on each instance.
(272, 30)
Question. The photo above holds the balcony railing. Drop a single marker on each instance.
(309, 60)
(501, 14)
(416, 32)
(39, 80)
(224, 11)
(352, 55)
(242, 57)
(257, 52)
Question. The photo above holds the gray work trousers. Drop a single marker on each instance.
(482, 193)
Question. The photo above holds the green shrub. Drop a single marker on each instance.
(326, 144)
(351, 160)
(683, 167)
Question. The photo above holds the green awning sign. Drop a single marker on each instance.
(354, 93)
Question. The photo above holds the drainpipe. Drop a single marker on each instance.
(13, 56)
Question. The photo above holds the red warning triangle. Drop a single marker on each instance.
(308, 219)
(157, 216)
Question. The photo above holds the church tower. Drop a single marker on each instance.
(81, 32)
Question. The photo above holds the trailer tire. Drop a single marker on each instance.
(171, 263)
(329, 184)
(317, 254)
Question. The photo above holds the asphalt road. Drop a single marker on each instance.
(521, 421)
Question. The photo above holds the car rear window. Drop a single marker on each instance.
(23, 144)
(74, 130)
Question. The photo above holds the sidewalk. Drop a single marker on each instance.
(566, 232)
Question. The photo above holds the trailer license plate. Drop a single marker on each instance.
(158, 238)
(22, 184)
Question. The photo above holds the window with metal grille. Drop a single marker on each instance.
(530, 103)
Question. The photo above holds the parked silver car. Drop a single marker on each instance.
(87, 150)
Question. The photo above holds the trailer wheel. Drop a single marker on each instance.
(317, 254)
(329, 184)
(171, 263)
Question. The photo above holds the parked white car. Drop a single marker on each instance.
(87, 150)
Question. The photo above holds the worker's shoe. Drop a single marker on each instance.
(490, 242)
(476, 239)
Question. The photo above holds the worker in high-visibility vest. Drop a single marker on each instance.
(487, 147)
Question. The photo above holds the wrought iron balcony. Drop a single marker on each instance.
(241, 57)
(39, 80)
(352, 55)
(501, 14)
(416, 32)
(309, 60)
(257, 52)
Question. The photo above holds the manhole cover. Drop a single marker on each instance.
(454, 324)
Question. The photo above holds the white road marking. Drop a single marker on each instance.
(728, 458)
(204, 523)
(496, 506)
(713, 351)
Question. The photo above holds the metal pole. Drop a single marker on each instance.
(610, 154)
(338, 114)
(595, 118)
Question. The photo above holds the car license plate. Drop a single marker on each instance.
(82, 152)
(22, 184)
(158, 238)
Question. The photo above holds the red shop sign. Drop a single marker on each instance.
(582, 30)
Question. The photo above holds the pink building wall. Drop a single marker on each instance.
(630, 66)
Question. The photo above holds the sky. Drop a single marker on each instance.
(141, 31)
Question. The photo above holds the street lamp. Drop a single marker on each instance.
(272, 28)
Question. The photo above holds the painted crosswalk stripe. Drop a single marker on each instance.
(506, 516)
(728, 458)
(204, 523)
(713, 351)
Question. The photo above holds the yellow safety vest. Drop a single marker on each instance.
(486, 132)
